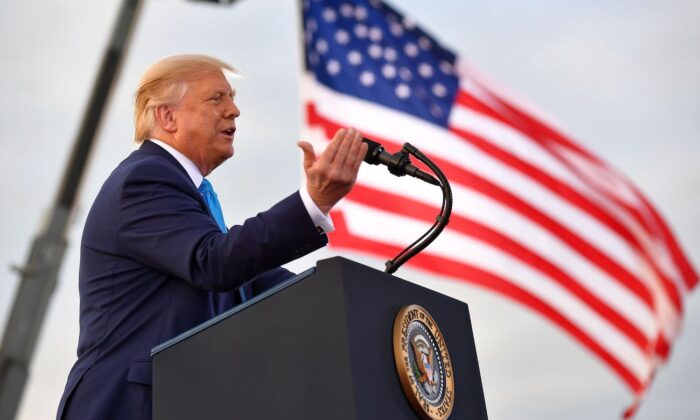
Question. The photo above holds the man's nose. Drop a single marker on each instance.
(232, 110)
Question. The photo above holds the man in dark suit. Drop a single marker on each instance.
(156, 258)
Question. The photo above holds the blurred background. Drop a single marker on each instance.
(622, 76)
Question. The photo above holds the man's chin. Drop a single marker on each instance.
(225, 155)
(225, 151)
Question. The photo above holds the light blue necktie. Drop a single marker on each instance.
(212, 201)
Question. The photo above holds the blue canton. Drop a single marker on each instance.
(368, 50)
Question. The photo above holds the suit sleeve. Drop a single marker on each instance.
(163, 224)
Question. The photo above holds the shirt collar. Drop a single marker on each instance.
(186, 163)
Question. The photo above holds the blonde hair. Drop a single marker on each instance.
(165, 82)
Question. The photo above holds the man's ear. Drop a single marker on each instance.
(165, 118)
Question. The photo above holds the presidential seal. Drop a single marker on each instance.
(423, 363)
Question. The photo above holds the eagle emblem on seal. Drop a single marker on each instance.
(424, 358)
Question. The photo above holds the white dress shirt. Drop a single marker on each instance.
(322, 221)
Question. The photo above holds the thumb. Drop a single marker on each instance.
(309, 154)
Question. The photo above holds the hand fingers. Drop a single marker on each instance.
(344, 150)
(329, 154)
(309, 154)
(361, 153)
(354, 156)
(344, 144)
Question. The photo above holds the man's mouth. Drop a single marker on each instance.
(229, 132)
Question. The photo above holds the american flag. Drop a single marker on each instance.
(536, 217)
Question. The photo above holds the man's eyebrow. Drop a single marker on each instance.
(224, 92)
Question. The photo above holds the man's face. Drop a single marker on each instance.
(205, 121)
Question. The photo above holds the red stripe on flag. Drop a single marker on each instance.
(469, 101)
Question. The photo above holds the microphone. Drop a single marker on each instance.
(398, 163)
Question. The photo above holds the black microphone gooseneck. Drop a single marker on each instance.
(399, 164)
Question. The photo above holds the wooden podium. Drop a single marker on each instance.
(318, 347)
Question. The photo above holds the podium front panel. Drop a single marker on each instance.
(320, 347)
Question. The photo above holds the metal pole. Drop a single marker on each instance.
(40, 273)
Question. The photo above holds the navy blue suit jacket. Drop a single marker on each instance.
(154, 264)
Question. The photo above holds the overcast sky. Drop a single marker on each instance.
(622, 76)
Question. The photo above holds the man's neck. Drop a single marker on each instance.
(192, 169)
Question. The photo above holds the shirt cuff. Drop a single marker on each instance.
(323, 222)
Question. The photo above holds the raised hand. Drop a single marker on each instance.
(330, 177)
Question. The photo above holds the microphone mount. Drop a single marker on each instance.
(399, 164)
